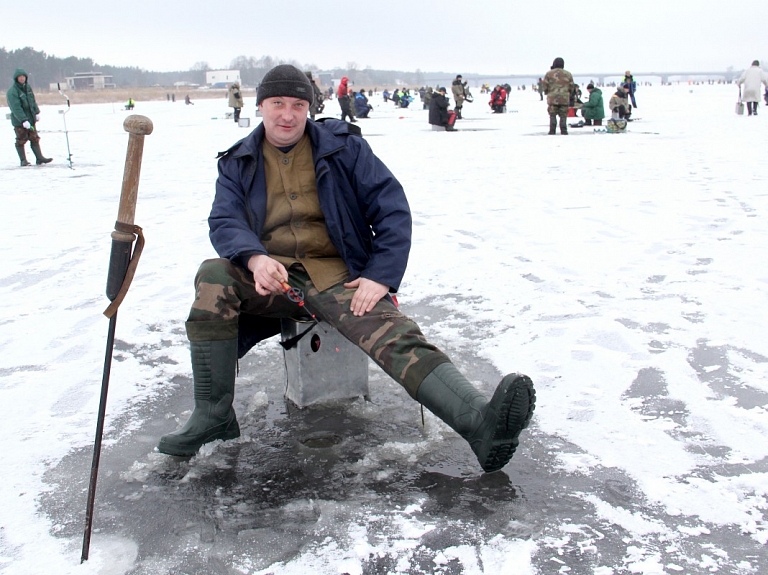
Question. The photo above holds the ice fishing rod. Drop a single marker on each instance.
(66, 133)
(122, 267)
(297, 296)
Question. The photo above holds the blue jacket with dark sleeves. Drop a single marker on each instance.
(365, 208)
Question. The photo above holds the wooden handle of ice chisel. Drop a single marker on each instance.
(137, 127)
(121, 263)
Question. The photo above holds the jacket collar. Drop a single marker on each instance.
(325, 141)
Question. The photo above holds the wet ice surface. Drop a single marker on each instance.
(357, 480)
(621, 272)
(362, 487)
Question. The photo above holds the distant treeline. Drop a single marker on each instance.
(45, 70)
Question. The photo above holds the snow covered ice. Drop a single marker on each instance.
(623, 272)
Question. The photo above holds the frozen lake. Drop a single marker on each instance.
(622, 272)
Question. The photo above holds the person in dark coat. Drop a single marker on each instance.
(318, 102)
(629, 80)
(308, 205)
(362, 107)
(24, 116)
(439, 114)
(427, 97)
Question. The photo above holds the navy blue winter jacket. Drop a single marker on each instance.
(366, 211)
(361, 104)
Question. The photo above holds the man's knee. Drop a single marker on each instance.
(217, 292)
(212, 330)
(22, 136)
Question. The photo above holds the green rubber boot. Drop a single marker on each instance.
(213, 370)
(39, 158)
(22, 155)
(493, 427)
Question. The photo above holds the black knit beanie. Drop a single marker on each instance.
(558, 63)
(285, 80)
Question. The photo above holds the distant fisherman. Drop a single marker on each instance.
(235, 100)
(751, 79)
(558, 86)
(24, 115)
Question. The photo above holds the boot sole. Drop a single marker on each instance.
(232, 431)
(514, 402)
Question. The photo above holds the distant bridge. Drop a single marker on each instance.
(599, 77)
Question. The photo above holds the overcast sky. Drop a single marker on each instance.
(440, 35)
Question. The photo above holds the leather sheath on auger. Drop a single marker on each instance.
(213, 371)
(491, 428)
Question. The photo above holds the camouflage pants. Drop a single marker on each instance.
(559, 110)
(392, 340)
(23, 135)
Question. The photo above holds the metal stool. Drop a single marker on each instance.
(323, 365)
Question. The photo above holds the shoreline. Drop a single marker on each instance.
(121, 95)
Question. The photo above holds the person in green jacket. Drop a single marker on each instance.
(593, 109)
(24, 116)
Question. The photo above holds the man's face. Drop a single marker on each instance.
(284, 119)
(21, 79)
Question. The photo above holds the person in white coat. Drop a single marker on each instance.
(751, 79)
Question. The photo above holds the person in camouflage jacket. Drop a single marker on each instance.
(24, 115)
(558, 86)
(619, 103)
